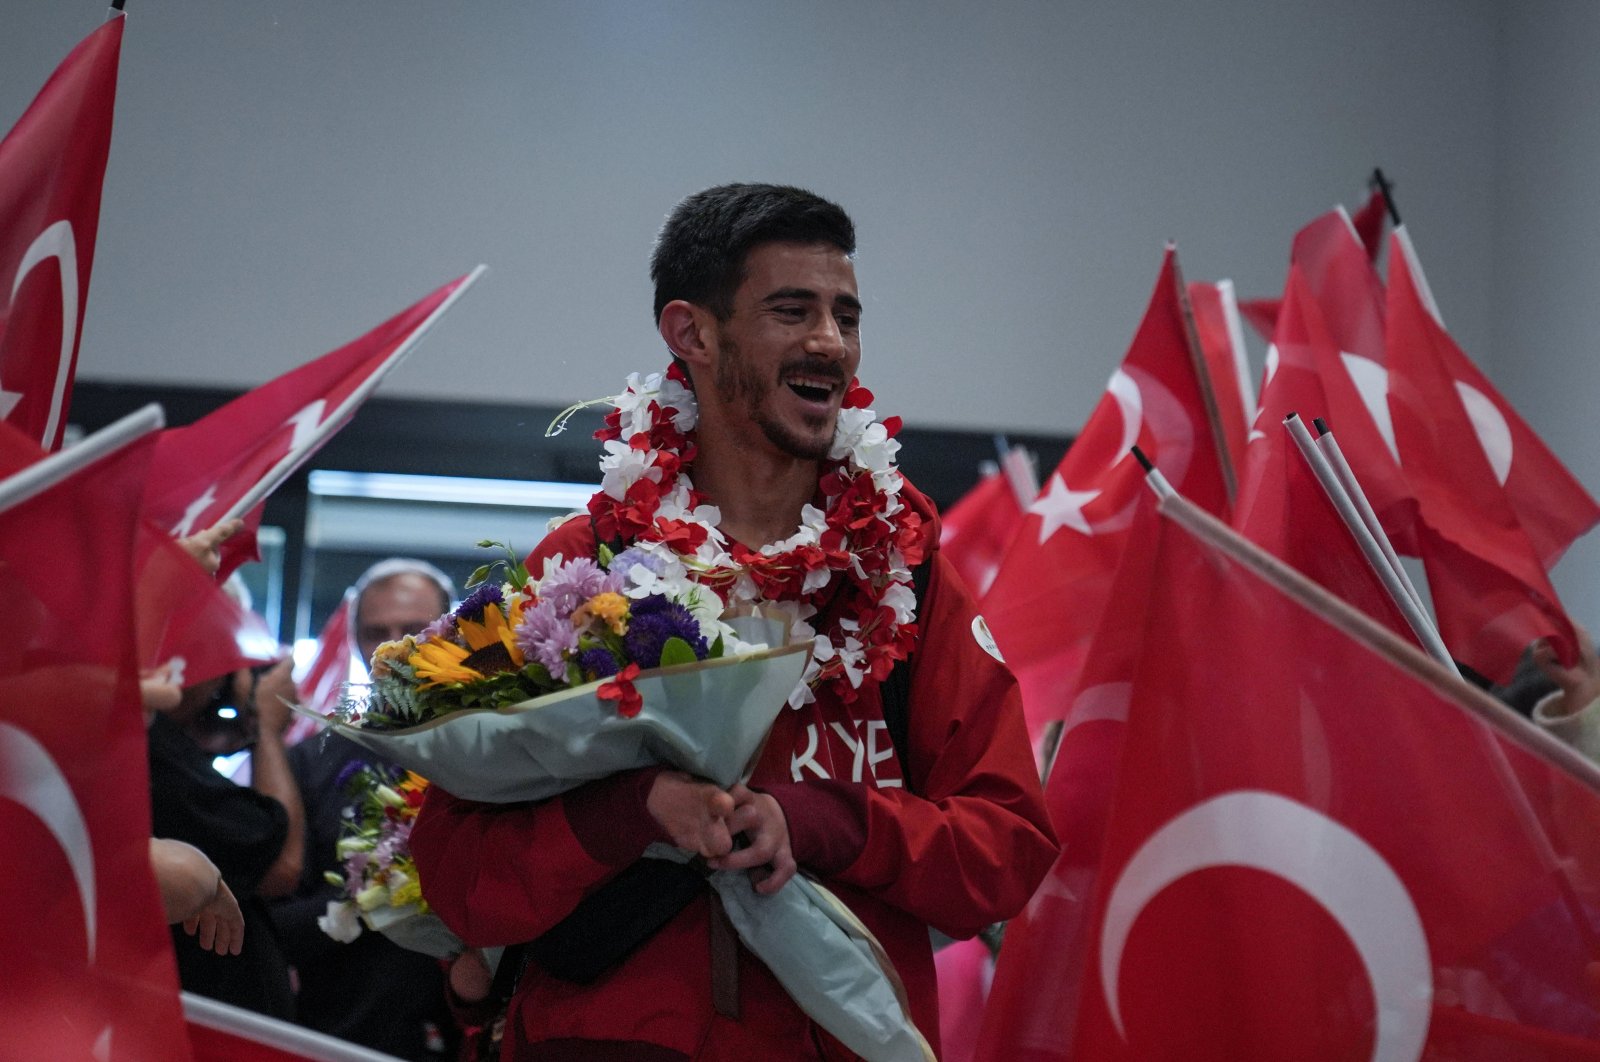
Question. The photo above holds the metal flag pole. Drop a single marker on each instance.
(1419, 621)
(1347, 477)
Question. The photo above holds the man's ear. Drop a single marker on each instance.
(688, 331)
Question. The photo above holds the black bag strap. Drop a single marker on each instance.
(896, 688)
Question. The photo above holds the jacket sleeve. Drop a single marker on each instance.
(969, 841)
(504, 873)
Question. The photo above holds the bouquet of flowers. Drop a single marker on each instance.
(379, 879)
(532, 686)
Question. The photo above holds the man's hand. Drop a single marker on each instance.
(274, 693)
(470, 978)
(768, 857)
(219, 925)
(1580, 685)
(203, 545)
(694, 814)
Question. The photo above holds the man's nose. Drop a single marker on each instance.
(826, 338)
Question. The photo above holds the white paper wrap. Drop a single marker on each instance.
(708, 718)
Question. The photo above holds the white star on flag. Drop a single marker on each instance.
(197, 507)
(1061, 506)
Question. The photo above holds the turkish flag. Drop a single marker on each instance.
(1033, 1003)
(1216, 323)
(1046, 602)
(1550, 503)
(1490, 591)
(1282, 507)
(185, 618)
(1349, 295)
(324, 679)
(52, 165)
(88, 970)
(1323, 845)
(226, 463)
(219, 1032)
(974, 532)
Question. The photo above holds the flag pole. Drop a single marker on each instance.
(336, 420)
(1347, 478)
(114, 10)
(1208, 393)
(1152, 475)
(1017, 464)
(1445, 679)
(1416, 618)
(48, 471)
(1386, 190)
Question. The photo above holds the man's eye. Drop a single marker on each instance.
(792, 313)
(848, 322)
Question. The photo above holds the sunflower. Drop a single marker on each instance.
(438, 663)
(494, 630)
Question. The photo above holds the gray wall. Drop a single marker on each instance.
(1546, 229)
(286, 173)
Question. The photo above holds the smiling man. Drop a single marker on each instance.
(901, 778)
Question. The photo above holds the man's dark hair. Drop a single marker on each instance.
(700, 254)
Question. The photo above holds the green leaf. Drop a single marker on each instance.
(717, 649)
(605, 555)
(676, 651)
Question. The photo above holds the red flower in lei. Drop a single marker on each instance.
(870, 542)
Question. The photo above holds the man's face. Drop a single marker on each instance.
(394, 607)
(791, 346)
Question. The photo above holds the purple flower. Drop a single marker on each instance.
(472, 608)
(625, 560)
(650, 628)
(547, 636)
(346, 773)
(572, 584)
(597, 663)
(444, 628)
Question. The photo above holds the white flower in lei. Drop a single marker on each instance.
(676, 530)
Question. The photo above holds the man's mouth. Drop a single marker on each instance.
(812, 387)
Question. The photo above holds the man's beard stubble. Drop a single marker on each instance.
(735, 380)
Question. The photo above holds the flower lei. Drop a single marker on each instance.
(847, 568)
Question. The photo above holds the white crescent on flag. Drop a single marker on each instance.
(56, 242)
(31, 778)
(1331, 864)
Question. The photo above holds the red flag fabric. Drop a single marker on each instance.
(1552, 506)
(1490, 592)
(1368, 222)
(1282, 508)
(974, 532)
(325, 677)
(239, 453)
(1340, 280)
(965, 969)
(17, 451)
(186, 620)
(1046, 602)
(1325, 846)
(88, 970)
(1262, 314)
(52, 165)
(1216, 322)
(1047, 944)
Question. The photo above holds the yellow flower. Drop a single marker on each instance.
(494, 628)
(408, 890)
(391, 652)
(439, 662)
(610, 608)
